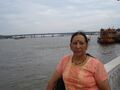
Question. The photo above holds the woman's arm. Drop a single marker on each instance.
(53, 80)
(104, 85)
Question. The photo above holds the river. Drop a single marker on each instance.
(27, 64)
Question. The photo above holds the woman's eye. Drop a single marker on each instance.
(74, 43)
(80, 43)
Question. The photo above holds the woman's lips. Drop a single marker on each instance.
(77, 51)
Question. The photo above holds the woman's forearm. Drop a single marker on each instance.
(51, 86)
(104, 85)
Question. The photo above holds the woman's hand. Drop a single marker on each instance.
(104, 85)
(52, 82)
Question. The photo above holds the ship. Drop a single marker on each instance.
(109, 36)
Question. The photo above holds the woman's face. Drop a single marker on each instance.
(78, 45)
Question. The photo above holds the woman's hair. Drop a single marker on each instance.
(79, 33)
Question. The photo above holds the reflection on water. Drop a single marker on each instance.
(27, 64)
(103, 52)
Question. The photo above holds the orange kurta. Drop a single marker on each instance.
(83, 77)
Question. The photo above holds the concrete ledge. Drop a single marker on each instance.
(112, 64)
(113, 69)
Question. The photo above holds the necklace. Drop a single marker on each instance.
(78, 61)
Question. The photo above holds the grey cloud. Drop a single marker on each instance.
(29, 16)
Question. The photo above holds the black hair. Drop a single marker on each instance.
(79, 33)
(90, 55)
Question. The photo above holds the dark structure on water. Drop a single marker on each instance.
(109, 36)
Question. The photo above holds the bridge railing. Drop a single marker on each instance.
(113, 69)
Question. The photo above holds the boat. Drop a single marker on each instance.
(108, 36)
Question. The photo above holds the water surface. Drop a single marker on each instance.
(27, 64)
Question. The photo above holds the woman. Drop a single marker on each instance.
(80, 71)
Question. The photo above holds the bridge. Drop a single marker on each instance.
(46, 35)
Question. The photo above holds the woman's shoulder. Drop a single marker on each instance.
(66, 58)
(92, 64)
(95, 61)
(61, 65)
(93, 58)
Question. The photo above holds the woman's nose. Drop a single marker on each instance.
(78, 45)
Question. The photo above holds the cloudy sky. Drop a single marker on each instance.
(49, 16)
